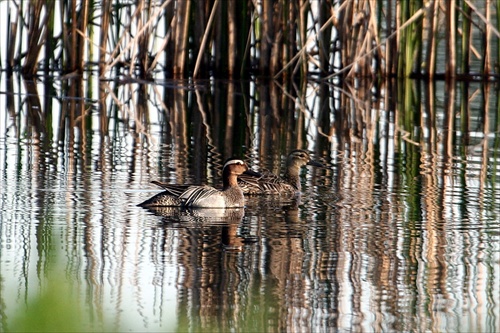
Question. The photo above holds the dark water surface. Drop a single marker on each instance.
(399, 233)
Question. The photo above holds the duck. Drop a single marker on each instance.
(203, 196)
(269, 183)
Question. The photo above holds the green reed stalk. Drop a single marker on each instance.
(416, 56)
(464, 118)
(401, 38)
(390, 47)
(409, 43)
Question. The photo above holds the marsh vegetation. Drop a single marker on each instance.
(241, 39)
(399, 99)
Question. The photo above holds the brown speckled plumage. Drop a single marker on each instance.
(269, 183)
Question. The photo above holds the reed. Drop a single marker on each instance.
(104, 33)
(282, 39)
(466, 38)
(37, 33)
(497, 56)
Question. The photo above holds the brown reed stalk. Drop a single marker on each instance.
(497, 68)
(142, 16)
(284, 34)
(431, 55)
(206, 34)
(276, 38)
(451, 40)
(232, 43)
(50, 40)
(72, 47)
(287, 46)
(83, 18)
(301, 32)
(324, 37)
(363, 35)
(266, 37)
(103, 36)
(365, 38)
(12, 24)
(487, 45)
(200, 35)
(243, 13)
(168, 44)
(37, 33)
(126, 45)
(346, 37)
(390, 45)
(180, 38)
(220, 41)
(375, 39)
(489, 28)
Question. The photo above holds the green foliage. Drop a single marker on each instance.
(54, 308)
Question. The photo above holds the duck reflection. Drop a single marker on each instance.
(227, 220)
(237, 263)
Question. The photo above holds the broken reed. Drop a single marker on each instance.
(235, 39)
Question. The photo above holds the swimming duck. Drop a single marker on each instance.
(269, 183)
(202, 196)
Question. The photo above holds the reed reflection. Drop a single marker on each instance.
(211, 262)
(400, 233)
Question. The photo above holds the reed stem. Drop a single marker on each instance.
(285, 39)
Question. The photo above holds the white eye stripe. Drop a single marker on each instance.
(233, 162)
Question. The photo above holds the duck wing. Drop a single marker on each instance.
(202, 196)
(266, 183)
(174, 189)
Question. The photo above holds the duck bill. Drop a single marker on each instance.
(316, 164)
(252, 173)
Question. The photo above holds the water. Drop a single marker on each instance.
(399, 233)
